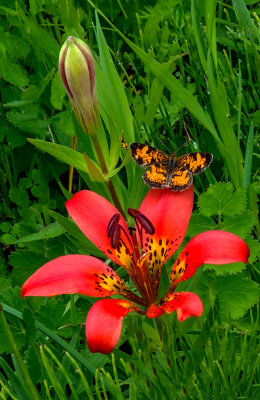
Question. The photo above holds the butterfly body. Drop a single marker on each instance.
(166, 171)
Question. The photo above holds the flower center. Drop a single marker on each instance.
(129, 254)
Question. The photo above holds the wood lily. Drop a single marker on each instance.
(160, 226)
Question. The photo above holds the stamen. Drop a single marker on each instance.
(115, 235)
(132, 212)
(131, 231)
(114, 220)
(145, 223)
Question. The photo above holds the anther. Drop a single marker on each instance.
(114, 220)
(132, 212)
(145, 223)
(115, 235)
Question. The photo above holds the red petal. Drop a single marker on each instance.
(187, 304)
(92, 213)
(169, 213)
(74, 274)
(104, 324)
(211, 247)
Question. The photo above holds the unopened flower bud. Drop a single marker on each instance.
(77, 71)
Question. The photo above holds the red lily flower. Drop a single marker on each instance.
(160, 226)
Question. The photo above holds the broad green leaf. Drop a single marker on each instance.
(49, 231)
(220, 199)
(226, 269)
(235, 295)
(240, 225)
(200, 223)
(62, 153)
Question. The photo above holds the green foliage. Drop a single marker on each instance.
(163, 68)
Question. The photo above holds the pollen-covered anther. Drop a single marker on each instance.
(115, 235)
(145, 223)
(114, 220)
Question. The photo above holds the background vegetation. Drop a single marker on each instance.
(164, 68)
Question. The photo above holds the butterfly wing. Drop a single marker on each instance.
(146, 155)
(156, 176)
(180, 179)
(194, 162)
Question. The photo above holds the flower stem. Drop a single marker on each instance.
(73, 146)
(104, 170)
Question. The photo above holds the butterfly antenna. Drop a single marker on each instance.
(189, 138)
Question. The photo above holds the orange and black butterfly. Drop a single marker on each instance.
(166, 171)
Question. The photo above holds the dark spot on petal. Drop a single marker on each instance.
(160, 242)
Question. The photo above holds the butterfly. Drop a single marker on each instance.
(166, 171)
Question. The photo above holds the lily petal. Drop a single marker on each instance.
(74, 274)
(211, 247)
(104, 324)
(92, 213)
(169, 212)
(187, 304)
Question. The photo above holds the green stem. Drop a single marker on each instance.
(104, 170)
(28, 384)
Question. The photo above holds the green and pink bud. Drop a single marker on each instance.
(77, 71)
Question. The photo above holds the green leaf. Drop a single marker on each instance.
(94, 172)
(62, 153)
(248, 158)
(200, 223)
(14, 73)
(172, 83)
(220, 199)
(244, 18)
(51, 313)
(108, 81)
(155, 98)
(25, 263)
(226, 269)
(57, 92)
(20, 197)
(236, 295)
(41, 36)
(49, 231)
(82, 241)
(240, 225)
(66, 123)
(5, 226)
